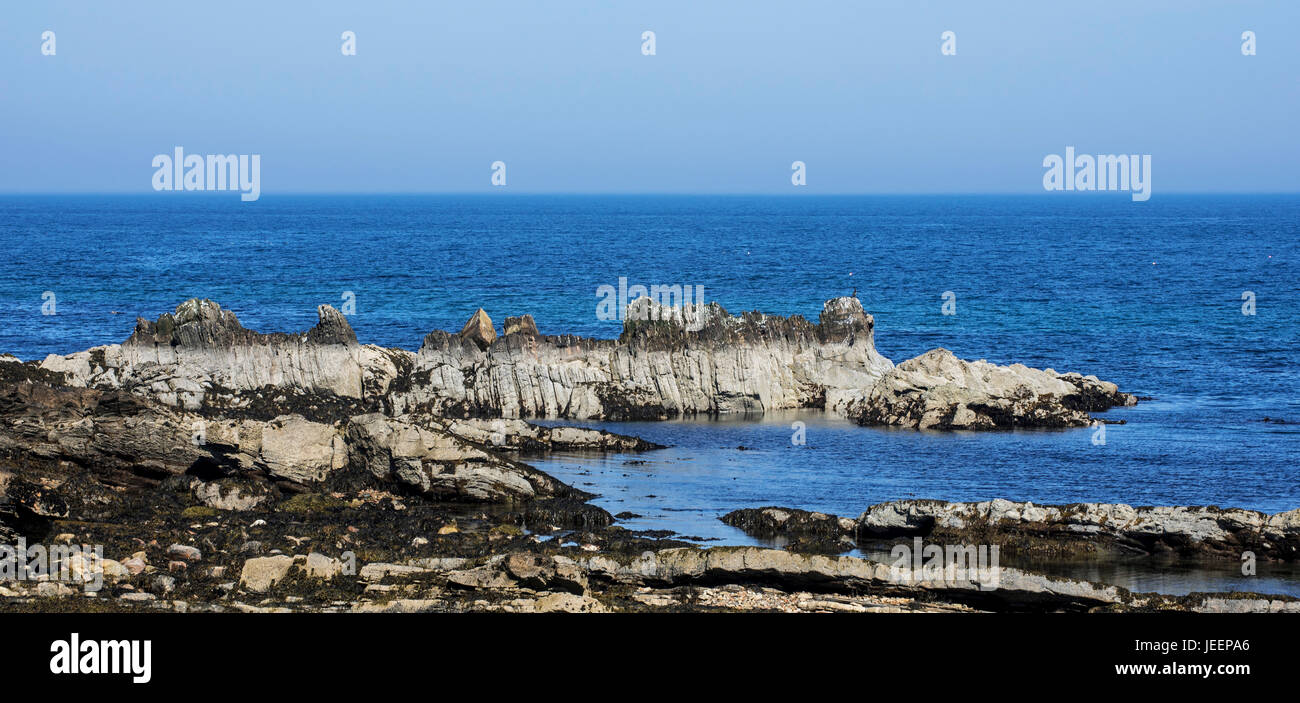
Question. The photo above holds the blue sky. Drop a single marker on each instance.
(737, 91)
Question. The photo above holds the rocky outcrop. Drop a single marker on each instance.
(1026, 529)
(799, 530)
(202, 357)
(669, 361)
(939, 391)
(129, 440)
(1002, 589)
(440, 465)
(666, 363)
(1093, 527)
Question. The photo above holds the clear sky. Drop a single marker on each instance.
(560, 91)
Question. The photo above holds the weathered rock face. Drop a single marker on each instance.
(939, 391)
(230, 493)
(201, 356)
(437, 464)
(1042, 530)
(668, 362)
(129, 440)
(665, 364)
(1088, 527)
(1006, 589)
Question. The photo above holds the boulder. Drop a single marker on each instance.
(436, 463)
(521, 325)
(936, 390)
(479, 329)
(260, 574)
(322, 567)
(297, 449)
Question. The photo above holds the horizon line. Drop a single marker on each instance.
(493, 193)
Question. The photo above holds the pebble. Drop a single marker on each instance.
(163, 583)
(184, 552)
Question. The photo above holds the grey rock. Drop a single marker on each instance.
(939, 391)
(162, 584)
(184, 553)
(322, 567)
(1087, 527)
(260, 574)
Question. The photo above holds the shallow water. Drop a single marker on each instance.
(843, 469)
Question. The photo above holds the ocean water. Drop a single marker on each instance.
(1148, 295)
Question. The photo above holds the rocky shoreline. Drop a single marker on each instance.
(225, 469)
(1025, 529)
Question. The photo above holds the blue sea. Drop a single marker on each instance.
(1148, 295)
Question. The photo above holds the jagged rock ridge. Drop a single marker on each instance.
(667, 362)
